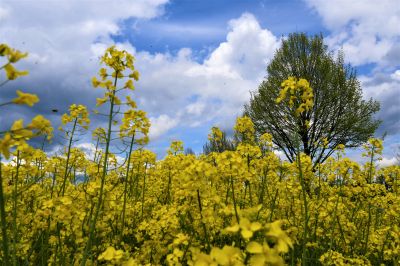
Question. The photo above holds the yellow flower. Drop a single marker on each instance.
(101, 101)
(25, 98)
(19, 132)
(247, 228)
(66, 200)
(5, 145)
(134, 75)
(17, 125)
(111, 254)
(15, 55)
(282, 241)
(263, 255)
(13, 73)
(175, 147)
(4, 49)
(108, 254)
(48, 204)
(227, 256)
(297, 89)
(102, 73)
(130, 102)
(130, 262)
(216, 134)
(129, 85)
(95, 82)
(42, 125)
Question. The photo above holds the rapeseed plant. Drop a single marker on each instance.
(241, 207)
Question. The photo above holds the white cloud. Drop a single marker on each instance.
(65, 28)
(65, 39)
(280, 154)
(396, 75)
(212, 90)
(160, 125)
(388, 162)
(338, 13)
(88, 148)
(220, 84)
(4, 13)
(367, 30)
(245, 53)
(386, 89)
(196, 108)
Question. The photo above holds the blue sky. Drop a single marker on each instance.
(202, 25)
(198, 59)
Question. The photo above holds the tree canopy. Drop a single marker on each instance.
(218, 142)
(339, 115)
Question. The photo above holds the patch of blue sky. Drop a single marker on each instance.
(203, 25)
(365, 69)
(193, 138)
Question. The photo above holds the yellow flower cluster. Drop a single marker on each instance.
(244, 128)
(25, 98)
(12, 56)
(78, 113)
(135, 122)
(239, 207)
(215, 135)
(18, 135)
(299, 94)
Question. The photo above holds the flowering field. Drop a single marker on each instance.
(242, 207)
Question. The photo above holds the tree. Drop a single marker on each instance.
(339, 115)
(189, 151)
(218, 142)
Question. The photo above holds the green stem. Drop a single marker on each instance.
(126, 184)
(304, 194)
(168, 197)
(3, 220)
(273, 204)
(68, 157)
(202, 222)
(103, 178)
(15, 212)
(234, 200)
(144, 188)
(3, 104)
(369, 202)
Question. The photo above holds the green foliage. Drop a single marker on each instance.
(220, 145)
(339, 115)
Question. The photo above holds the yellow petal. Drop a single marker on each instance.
(246, 233)
(254, 248)
(233, 229)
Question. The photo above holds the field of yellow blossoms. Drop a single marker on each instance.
(242, 207)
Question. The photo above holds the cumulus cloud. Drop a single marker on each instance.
(396, 75)
(246, 52)
(367, 30)
(213, 90)
(65, 38)
(161, 125)
(196, 108)
(388, 162)
(386, 89)
(65, 41)
(59, 36)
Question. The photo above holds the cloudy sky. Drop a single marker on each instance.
(198, 59)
